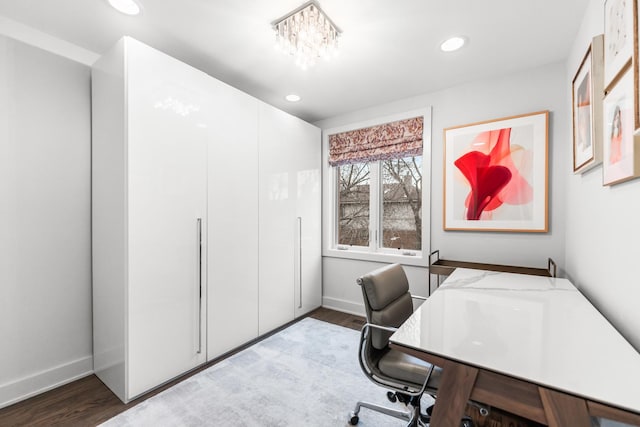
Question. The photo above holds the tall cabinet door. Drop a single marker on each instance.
(305, 143)
(290, 276)
(233, 220)
(277, 219)
(167, 200)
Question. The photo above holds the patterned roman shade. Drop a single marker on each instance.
(387, 141)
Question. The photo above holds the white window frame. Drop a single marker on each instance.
(330, 248)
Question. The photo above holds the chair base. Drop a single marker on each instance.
(413, 417)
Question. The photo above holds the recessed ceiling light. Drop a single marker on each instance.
(454, 43)
(292, 97)
(128, 7)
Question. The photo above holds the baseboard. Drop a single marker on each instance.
(344, 306)
(40, 382)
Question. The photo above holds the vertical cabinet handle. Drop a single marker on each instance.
(199, 220)
(300, 260)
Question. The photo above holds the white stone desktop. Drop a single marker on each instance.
(539, 329)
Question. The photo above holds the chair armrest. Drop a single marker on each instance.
(365, 335)
(399, 386)
(380, 327)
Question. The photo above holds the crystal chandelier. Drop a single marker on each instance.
(307, 34)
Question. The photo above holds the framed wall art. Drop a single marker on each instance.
(621, 153)
(587, 109)
(496, 173)
(618, 38)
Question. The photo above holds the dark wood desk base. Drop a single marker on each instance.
(461, 383)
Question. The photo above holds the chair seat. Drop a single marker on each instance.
(404, 367)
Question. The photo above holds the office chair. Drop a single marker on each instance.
(388, 304)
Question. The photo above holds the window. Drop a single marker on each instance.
(375, 184)
(391, 207)
(353, 202)
(402, 203)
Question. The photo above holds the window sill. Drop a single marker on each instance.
(418, 260)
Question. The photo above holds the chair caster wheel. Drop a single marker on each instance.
(467, 422)
(353, 419)
(392, 397)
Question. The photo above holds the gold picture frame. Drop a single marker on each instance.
(586, 101)
(496, 175)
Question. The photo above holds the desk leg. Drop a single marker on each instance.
(564, 410)
(453, 393)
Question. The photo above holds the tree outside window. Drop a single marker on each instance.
(402, 203)
(353, 204)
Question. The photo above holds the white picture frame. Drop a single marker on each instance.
(621, 154)
(618, 38)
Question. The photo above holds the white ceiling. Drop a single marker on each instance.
(389, 49)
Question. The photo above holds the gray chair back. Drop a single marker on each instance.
(387, 300)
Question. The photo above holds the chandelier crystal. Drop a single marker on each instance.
(307, 34)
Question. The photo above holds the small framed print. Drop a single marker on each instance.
(618, 38)
(587, 109)
(496, 173)
(621, 154)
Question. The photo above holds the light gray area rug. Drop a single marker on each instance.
(305, 375)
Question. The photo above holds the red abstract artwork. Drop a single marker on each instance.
(493, 177)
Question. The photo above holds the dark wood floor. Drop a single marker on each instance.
(88, 402)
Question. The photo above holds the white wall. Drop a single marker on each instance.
(544, 88)
(603, 226)
(45, 258)
(341, 292)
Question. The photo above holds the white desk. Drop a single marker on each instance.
(533, 344)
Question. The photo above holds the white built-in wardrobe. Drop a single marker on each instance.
(206, 218)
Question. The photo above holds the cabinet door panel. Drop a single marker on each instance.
(277, 220)
(308, 279)
(233, 220)
(167, 170)
(290, 180)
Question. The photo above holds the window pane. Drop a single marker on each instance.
(402, 203)
(353, 204)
